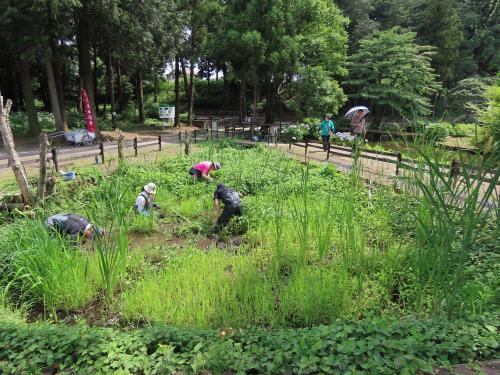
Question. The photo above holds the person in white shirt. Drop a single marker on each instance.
(145, 199)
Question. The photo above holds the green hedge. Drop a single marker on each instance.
(349, 347)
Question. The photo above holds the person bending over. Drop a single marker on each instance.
(145, 199)
(232, 205)
(202, 170)
(75, 226)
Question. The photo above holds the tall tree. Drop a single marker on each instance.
(439, 25)
(392, 75)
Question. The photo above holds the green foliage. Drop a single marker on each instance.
(467, 96)
(490, 116)
(315, 91)
(439, 25)
(366, 346)
(295, 133)
(437, 131)
(391, 72)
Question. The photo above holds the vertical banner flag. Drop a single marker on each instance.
(88, 113)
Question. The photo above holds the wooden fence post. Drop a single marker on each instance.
(305, 150)
(159, 143)
(234, 129)
(53, 151)
(120, 147)
(101, 147)
(398, 162)
(135, 146)
(194, 135)
(454, 168)
(180, 137)
(42, 177)
(328, 151)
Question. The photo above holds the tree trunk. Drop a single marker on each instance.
(240, 101)
(111, 90)
(186, 83)
(255, 100)
(60, 92)
(177, 99)
(14, 160)
(155, 92)
(270, 103)
(225, 85)
(140, 96)
(95, 73)
(84, 61)
(244, 99)
(191, 94)
(43, 166)
(80, 99)
(54, 97)
(15, 87)
(119, 86)
(29, 101)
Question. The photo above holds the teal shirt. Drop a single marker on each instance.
(326, 127)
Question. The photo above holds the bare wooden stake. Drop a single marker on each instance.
(42, 177)
(14, 161)
(120, 147)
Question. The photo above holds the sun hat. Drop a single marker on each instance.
(216, 165)
(150, 188)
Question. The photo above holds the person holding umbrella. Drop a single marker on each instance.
(326, 127)
(357, 116)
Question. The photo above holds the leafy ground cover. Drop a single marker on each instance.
(313, 246)
(346, 347)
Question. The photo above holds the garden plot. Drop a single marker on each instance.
(313, 245)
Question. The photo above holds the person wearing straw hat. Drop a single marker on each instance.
(75, 226)
(145, 199)
(202, 170)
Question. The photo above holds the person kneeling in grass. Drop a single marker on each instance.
(145, 200)
(75, 226)
(202, 170)
(232, 205)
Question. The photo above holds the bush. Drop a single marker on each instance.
(295, 133)
(436, 132)
(76, 119)
(380, 346)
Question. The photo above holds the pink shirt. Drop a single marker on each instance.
(204, 167)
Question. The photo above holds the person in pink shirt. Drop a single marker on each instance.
(203, 169)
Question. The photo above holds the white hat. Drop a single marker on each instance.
(150, 188)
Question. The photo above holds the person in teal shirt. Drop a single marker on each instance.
(326, 127)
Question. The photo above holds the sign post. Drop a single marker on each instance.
(167, 115)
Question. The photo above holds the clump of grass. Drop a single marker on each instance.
(213, 289)
(50, 271)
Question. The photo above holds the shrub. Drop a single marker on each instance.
(367, 346)
(295, 133)
(436, 132)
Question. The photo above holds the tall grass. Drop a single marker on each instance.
(213, 289)
(110, 207)
(452, 212)
(300, 214)
(49, 270)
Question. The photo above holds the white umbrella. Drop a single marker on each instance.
(350, 113)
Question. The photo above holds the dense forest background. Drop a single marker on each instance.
(405, 59)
